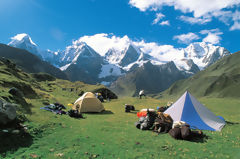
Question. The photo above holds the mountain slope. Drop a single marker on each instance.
(82, 63)
(29, 62)
(151, 78)
(222, 79)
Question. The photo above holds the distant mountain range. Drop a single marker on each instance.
(29, 62)
(222, 79)
(81, 62)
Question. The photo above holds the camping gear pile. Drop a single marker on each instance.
(146, 122)
(150, 120)
(55, 108)
(162, 123)
(179, 119)
(181, 130)
(128, 108)
(75, 114)
(85, 104)
(99, 96)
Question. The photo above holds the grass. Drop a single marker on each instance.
(113, 134)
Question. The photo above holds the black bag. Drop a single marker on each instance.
(185, 132)
(138, 124)
(74, 114)
(128, 108)
(175, 133)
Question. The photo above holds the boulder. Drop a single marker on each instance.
(7, 112)
(106, 93)
(16, 92)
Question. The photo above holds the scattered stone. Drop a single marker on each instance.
(95, 156)
(33, 155)
(59, 154)
(16, 131)
(7, 112)
(16, 92)
(51, 150)
(137, 143)
(86, 153)
(6, 131)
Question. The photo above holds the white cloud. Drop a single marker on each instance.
(210, 31)
(165, 23)
(186, 38)
(213, 36)
(236, 26)
(203, 10)
(103, 42)
(163, 52)
(198, 7)
(159, 16)
(236, 19)
(195, 20)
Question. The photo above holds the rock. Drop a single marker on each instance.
(7, 112)
(33, 155)
(16, 92)
(6, 131)
(106, 93)
(15, 131)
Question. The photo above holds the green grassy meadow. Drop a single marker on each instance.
(113, 134)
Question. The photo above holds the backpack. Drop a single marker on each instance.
(175, 133)
(185, 132)
(74, 114)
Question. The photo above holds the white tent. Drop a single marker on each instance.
(188, 109)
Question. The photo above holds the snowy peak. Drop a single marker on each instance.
(130, 55)
(21, 38)
(113, 56)
(24, 41)
(122, 57)
(204, 54)
(78, 49)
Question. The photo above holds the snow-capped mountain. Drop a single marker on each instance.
(77, 50)
(127, 58)
(82, 62)
(24, 41)
(204, 54)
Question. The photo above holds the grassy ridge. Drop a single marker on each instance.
(222, 79)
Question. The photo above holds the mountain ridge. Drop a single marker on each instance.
(221, 79)
(81, 62)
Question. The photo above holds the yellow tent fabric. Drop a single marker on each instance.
(88, 103)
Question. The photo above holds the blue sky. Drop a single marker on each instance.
(54, 24)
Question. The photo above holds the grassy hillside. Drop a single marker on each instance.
(221, 79)
(111, 134)
(29, 62)
(39, 86)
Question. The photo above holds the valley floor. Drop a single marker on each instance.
(113, 134)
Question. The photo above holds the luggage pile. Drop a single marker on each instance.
(161, 122)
